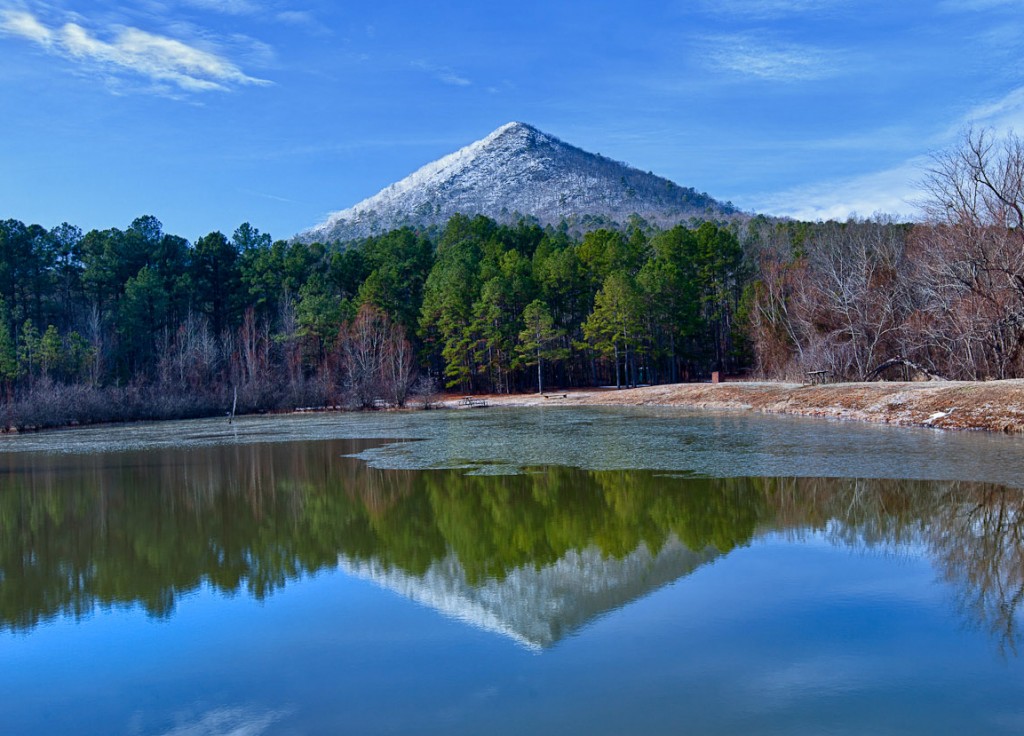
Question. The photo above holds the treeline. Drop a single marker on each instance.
(148, 323)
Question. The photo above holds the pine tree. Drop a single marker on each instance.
(50, 350)
(28, 350)
(9, 371)
(614, 325)
(538, 340)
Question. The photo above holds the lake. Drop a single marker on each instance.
(543, 570)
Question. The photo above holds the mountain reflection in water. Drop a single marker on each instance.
(534, 555)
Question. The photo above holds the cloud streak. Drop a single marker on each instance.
(130, 50)
(1003, 115)
(779, 62)
(763, 9)
(303, 19)
(895, 191)
(228, 7)
(973, 6)
(443, 74)
(228, 721)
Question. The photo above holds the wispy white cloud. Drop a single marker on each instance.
(894, 191)
(26, 25)
(228, 7)
(227, 722)
(161, 59)
(296, 17)
(302, 19)
(961, 6)
(1002, 115)
(272, 197)
(762, 9)
(443, 74)
(779, 62)
(263, 10)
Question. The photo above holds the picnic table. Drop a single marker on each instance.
(472, 401)
(816, 377)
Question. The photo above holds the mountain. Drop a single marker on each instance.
(520, 171)
(538, 606)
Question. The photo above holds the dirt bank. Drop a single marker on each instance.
(991, 405)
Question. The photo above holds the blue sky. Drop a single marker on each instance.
(210, 113)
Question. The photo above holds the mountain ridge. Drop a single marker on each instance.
(514, 172)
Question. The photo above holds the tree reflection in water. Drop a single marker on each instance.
(977, 539)
(142, 528)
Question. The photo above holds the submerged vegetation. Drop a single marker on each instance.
(134, 323)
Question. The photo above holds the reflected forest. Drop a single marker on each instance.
(143, 529)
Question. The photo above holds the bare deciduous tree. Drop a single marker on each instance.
(378, 359)
(839, 304)
(971, 256)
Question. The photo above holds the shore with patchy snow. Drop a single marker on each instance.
(996, 406)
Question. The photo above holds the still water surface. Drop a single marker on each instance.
(508, 571)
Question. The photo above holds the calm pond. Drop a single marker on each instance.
(546, 571)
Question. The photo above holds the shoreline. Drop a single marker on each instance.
(994, 406)
(991, 406)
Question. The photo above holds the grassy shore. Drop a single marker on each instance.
(996, 406)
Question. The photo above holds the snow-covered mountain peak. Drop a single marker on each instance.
(514, 128)
(517, 171)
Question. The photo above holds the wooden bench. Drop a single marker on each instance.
(556, 396)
